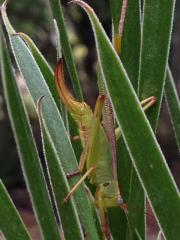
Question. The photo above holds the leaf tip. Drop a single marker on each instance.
(5, 19)
(82, 4)
(4, 6)
(39, 102)
(23, 36)
(39, 106)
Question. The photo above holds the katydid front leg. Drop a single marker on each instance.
(80, 111)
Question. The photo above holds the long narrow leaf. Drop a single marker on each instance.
(11, 223)
(156, 33)
(173, 104)
(43, 65)
(65, 46)
(64, 112)
(131, 35)
(130, 54)
(130, 57)
(38, 87)
(46, 72)
(70, 225)
(115, 13)
(146, 155)
(131, 40)
(30, 161)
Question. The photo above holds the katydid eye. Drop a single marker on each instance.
(106, 184)
(120, 200)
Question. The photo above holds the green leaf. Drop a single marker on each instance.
(30, 161)
(156, 33)
(37, 88)
(70, 225)
(115, 13)
(138, 235)
(130, 54)
(131, 35)
(46, 71)
(131, 40)
(43, 66)
(64, 113)
(57, 12)
(173, 105)
(11, 223)
(130, 57)
(144, 150)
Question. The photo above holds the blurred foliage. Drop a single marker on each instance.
(30, 16)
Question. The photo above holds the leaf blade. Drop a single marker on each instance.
(60, 185)
(173, 105)
(43, 65)
(156, 33)
(11, 223)
(132, 191)
(57, 12)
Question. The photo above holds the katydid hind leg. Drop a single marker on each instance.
(75, 138)
(146, 104)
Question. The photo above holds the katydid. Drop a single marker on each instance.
(98, 136)
(97, 152)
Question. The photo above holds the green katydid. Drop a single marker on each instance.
(97, 152)
(98, 137)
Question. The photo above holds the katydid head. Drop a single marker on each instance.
(80, 111)
(110, 194)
